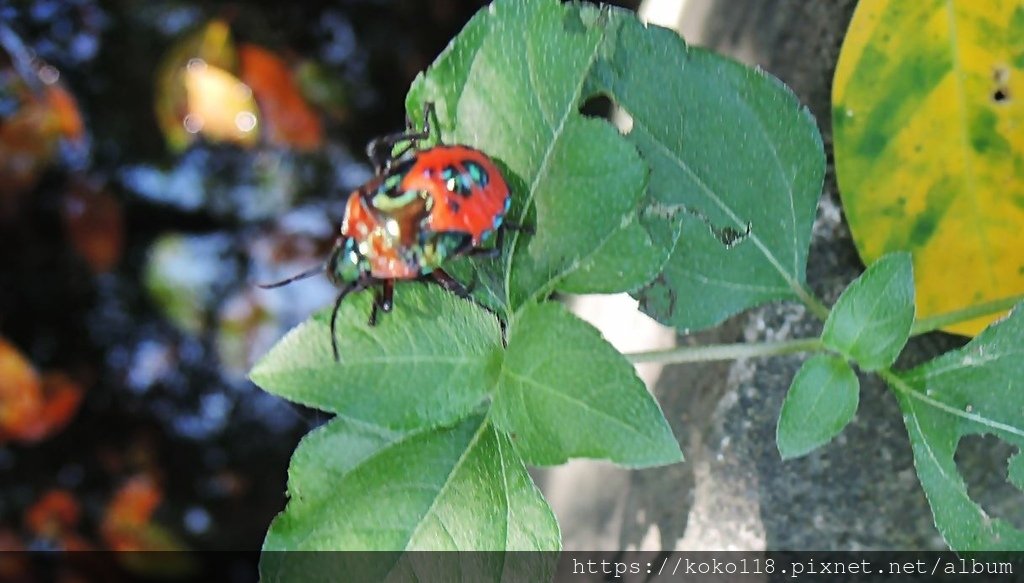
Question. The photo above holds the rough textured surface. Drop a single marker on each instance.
(734, 492)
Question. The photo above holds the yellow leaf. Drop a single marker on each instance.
(198, 93)
(219, 105)
(929, 145)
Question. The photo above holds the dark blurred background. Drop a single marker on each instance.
(156, 159)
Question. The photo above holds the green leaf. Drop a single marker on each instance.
(429, 362)
(565, 392)
(978, 389)
(357, 486)
(574, 179)
(871, 322)
(728, 142)
(821, 401)
(629, 259)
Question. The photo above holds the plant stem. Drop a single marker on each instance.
(714, 352)
(816, 306)
(932, 323)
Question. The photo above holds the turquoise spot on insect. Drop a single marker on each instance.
(349, 263)
(477, 173)
(460, 183)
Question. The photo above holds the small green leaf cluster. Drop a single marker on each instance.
(974, 390)
(869, 325)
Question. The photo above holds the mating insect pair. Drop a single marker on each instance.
(422, 208)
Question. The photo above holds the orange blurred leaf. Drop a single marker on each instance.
(127, 527)
(95, 226)
(60, 399)
(29, 136)
(287, 117)
(132, 505)
(67, 119)
(53, 515)
(33, 408)
(21, 397)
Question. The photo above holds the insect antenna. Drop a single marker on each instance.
(304, 275)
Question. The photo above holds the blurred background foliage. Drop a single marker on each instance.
(156, 159)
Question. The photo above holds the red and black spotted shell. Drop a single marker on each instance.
(469, 194)
(428, 207)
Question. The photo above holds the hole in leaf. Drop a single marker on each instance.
(1001, 76)
(597, 106)
(982, 461)
(603, 107)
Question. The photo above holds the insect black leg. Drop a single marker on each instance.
(380, 150)
(441, 278)
(428, 111)
(529, 230)
(375, 309)
(499, 241)
(486, 252)
(449, 283)
(382, 300)
(345, 291)
(388, 296)
(305, 274)
(490, 252)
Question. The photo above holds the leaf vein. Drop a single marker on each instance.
(581, 403)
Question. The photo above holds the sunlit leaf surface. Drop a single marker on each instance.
(360, 486)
